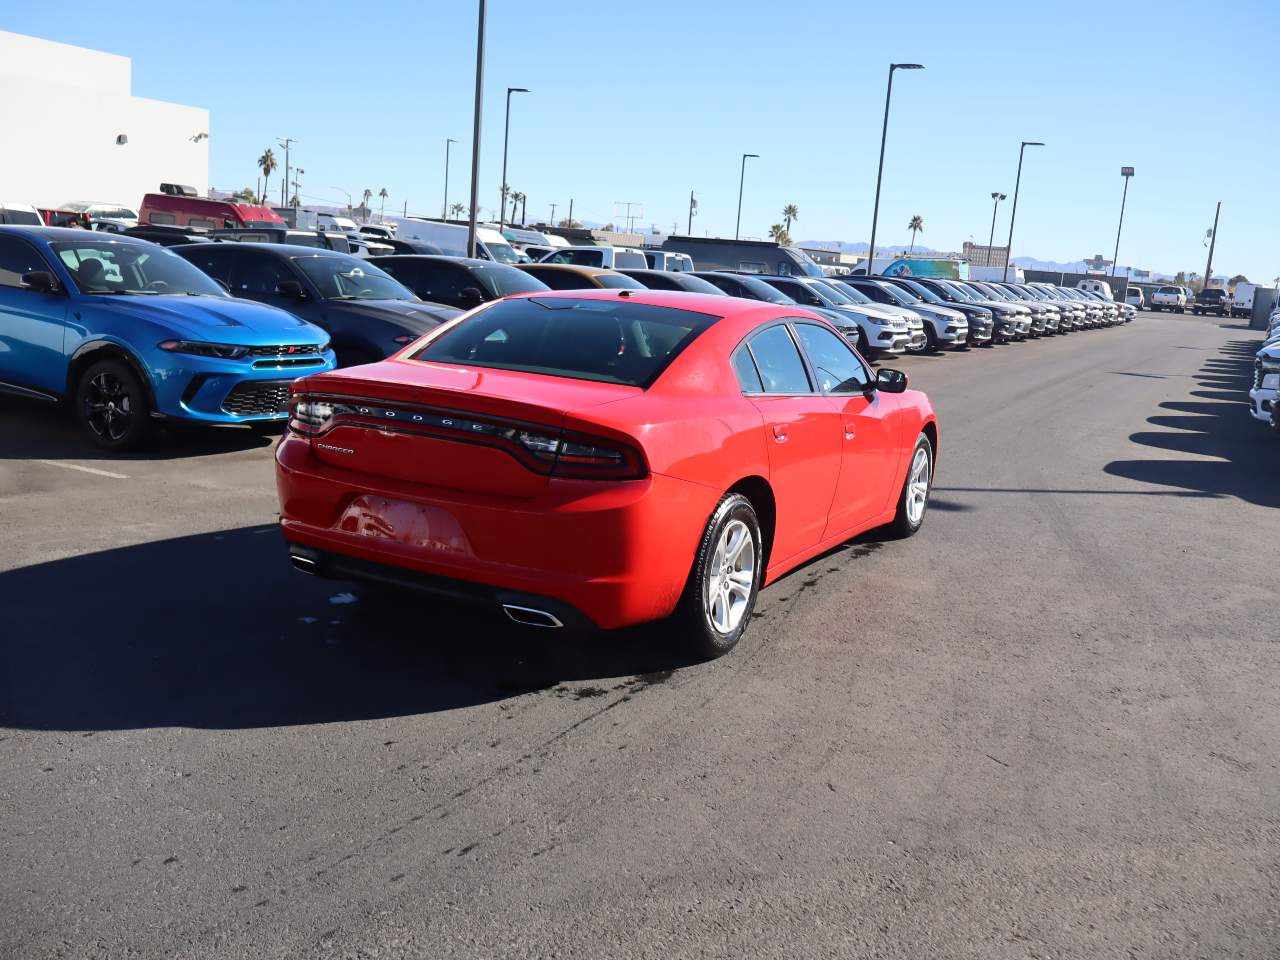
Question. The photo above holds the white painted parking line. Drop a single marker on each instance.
(76, 466)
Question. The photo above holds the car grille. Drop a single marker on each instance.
(258, 398)
(1257, 374)
(286, 350)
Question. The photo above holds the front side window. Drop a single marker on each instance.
(798, 292)
(258, 276)
(16, 260)
(347, 278)
(610, 341)
(778, 361)
(215, 261)
(836, 365)
(132, 268)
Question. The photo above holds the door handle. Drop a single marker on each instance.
(848, 433)
(780, 432)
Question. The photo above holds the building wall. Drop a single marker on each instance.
(61, 110)
(981, 255)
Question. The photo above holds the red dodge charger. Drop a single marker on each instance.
(604, 458)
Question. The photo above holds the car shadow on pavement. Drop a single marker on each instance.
(33, 430)
(218, 631)
(1227, 452)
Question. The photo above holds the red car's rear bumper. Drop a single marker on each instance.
(618, 553)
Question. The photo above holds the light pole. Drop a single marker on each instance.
(1125, 172)
(475, 133)
(996, 196)
(506, 136)
(884, 132)
(1008, 254)
(741, 177)
(444, 210)
(340, 190)
(284, 187)
(693, 208)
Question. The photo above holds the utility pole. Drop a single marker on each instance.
(284, 187)
(628, 217)
(693, 208)
(1213, 239)
(475, 134)
(571, 211)
(553, 214)
(1125, 172)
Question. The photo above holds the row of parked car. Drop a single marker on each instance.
(1264, 396)
(133, 332)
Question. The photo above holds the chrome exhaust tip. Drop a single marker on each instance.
(529, 617)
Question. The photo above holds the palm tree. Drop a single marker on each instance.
(517, 198)
(364, 201)
(456, 210)
(267, 164)
(916, 224)
(790, 212)
(778, 234)
(382, 195)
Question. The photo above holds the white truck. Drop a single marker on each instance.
(1169, 298)
(997, 274)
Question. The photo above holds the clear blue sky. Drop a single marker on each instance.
(645, 102)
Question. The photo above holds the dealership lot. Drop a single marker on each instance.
(1043, 727)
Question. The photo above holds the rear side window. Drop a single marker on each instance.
(618, 281)
(16, 259)
(161, 218)
(562, 279)
(603, 340)
(781, 369)
(744, 369)
(837, 367)
(214, 262)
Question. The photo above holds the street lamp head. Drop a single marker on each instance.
(756, 155)
(997, 195)
(451, 140)
(511, 90)
(1126, 171)
(906, 66)
(1032, 143)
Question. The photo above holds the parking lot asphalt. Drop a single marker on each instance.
(1044, 727)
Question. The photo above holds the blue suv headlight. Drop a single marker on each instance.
(222, 351)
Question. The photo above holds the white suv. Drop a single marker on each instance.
(1266, 383)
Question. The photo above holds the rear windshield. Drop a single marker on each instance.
(604, 340)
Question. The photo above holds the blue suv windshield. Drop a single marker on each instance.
(140, 269)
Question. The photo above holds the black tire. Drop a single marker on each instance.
(903, 524)
(930, 339)
(864, 347)
(111, 405)
(694, 614)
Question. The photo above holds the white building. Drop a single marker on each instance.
(63, 109)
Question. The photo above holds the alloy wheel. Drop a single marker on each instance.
(730, 577)
(918, 486)
(108, 406)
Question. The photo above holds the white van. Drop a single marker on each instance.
(1100, 287)
(610, 258)
(666, 260)
(1242, 304)
(451, 238)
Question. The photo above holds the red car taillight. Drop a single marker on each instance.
(567, 455)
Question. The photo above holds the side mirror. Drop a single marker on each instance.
(42, 281)
(891, 381)
(291, 288)
(470, 297)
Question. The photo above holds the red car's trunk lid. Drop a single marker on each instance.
(449, 426)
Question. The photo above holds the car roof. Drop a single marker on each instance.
(708, 303)
(69, 233)
(291, 250)
(568, 268)
(471, 262)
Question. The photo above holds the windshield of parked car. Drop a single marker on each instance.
(805, 262)
(973, 292)
(737, 285)
(502, 281)
(923, 292)
(144, 269)
(829, 291)
(340, 277)
(851, 293)
(612, 341)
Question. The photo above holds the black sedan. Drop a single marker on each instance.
(368, 314)
(458, 281)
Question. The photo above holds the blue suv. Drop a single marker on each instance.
(131, 333)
